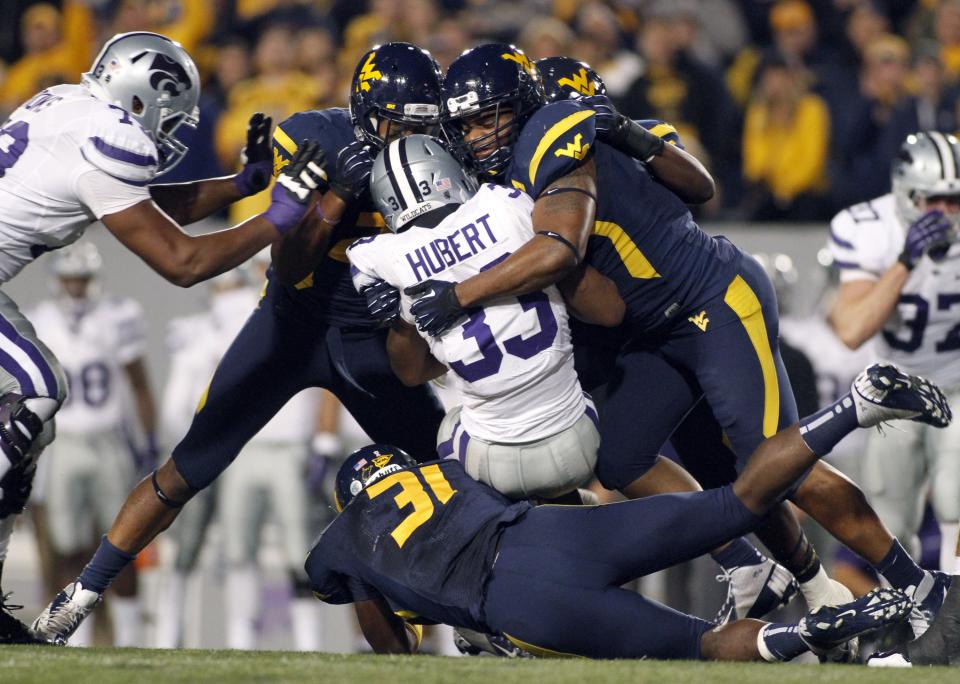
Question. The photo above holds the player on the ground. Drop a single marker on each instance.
(427, 542)
(311, 327)
(899, 263)
(526, 428)
(100, 341)
(77, 153)
(706, 311)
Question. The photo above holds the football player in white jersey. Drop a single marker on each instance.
(525, 426)
(899, 264)
(100, 341)
(77, 153)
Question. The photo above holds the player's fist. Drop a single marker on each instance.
(932, 232)
(295, 184)
(383, 302)
(352, 177)
(436, 307)
(257, 156)
(620, 132)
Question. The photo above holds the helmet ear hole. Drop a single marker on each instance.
(137, 105)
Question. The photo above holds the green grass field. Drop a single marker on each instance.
(22, 664)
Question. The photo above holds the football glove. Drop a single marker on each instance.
(383, 302)
(931, 233)
(257, 157)
(621, 132)
(291, 193)
(436, 307)
(352, 177)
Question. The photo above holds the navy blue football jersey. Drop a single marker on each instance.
(424, 538)
(329, 289)
(644, 237)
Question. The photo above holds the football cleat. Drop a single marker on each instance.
(469, 642)
(12, 631)
(57, 623)
(828, 631)
(883, 392)
(755, 590)
(927, 598)
(888, 659)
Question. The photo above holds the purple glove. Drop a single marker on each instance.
(291, 193)
(436, 308)
(257, 157)
(383, 302)
(354, 164)
(932, 231)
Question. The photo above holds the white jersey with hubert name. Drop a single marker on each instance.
(923, 333)
(93, 344)
(66, 160)
(514, 354)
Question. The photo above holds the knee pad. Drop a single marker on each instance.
(19, 427)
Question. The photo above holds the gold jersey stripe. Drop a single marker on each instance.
(662, 129)
(745, 304)
(284, 140)
(550, 137)
(539, 651)
(636, 262)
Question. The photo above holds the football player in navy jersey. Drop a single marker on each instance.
(310, 328)
(425, 542)
(704, 317)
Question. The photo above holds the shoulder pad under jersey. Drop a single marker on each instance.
(330, 127)
(118, 146)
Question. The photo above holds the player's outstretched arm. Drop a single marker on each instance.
(186, 260)
(563, 218)
(189, 202)
(297, 254)
(684, 175)
(410, 356)
(383, 630)
(863, 306)
(592, 297)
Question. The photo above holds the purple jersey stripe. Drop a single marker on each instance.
(46, 372)
(8, 364)
(445, 449)
(592, 415)
(847, 264)
(119, 178)
(121, 154)
(840, 241)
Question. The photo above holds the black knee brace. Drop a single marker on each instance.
(19, 427)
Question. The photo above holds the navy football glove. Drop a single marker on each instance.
(257, 157)
(291, 193)
(383, 302)
(352, 177)
(932, 233)
(436, 307)
(621, 132)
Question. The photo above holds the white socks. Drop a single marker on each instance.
(125, 613)
(243, 606)
(169, 613)
(307, 623)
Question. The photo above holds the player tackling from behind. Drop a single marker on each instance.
(76, 153)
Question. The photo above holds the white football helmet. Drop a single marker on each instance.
(155, 81)
(79, 260)
(927, 165)
(415, 175)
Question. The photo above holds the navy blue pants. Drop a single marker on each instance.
(555, 585)
(281, 350)
(726, 352)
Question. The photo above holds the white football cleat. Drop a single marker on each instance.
(883, 392)
(63, 616)
(755, 590)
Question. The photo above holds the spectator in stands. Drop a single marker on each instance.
(317, 57)
(447, 41)
(677, 88)
(54, 52)
(786, 138)
(946, 29)
(863, 160)
(279, 89)
(600, 44)
(546, 37)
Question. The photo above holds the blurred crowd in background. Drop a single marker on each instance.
(796, 106)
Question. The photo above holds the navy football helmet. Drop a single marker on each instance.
(365, 466)
(564, 78)
(397, 82)
(483, 82)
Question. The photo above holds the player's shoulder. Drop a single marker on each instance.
(43, 311)
(114, 142)
(554, 142)
(329, 126)
(866, 219)
(663, 130)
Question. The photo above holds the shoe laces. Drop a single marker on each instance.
(726, 574)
